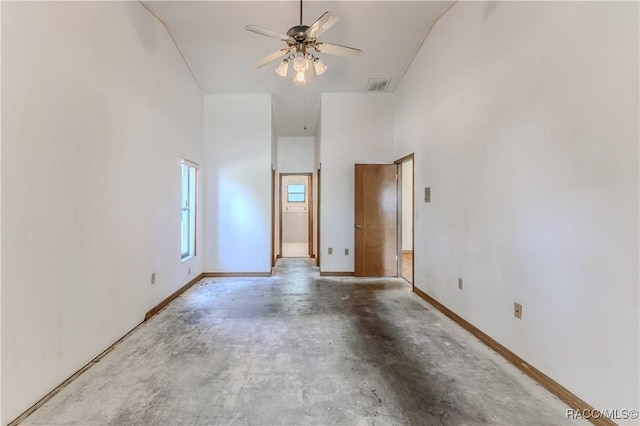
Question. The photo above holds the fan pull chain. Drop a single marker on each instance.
(305, 113)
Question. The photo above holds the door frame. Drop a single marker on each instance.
(398, 162)
(309, 212)
(274, 255)
(318, 251)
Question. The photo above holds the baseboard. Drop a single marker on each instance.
(171, 297)
(336, 274)
(97, 359)
(61, 386)
(545, 381)
(407, 251)
(235, 274)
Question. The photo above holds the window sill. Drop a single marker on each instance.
(184, 259)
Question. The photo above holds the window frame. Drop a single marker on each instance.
(304, 193)
(188, 205)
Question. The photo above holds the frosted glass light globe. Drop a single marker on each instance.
(300, 63)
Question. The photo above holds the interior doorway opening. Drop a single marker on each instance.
(406, 197)
(296, 215)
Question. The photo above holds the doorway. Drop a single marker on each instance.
(406, 197)
(296, 215)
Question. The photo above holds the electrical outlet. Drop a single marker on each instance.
(153, 278)
(517, 310)
(346, 252)
(330, 250)
(427, 195)
(460, 283)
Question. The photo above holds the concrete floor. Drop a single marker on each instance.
(299, 349)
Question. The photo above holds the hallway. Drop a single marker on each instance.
(295, 348)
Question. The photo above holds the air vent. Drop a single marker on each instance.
(377, 84)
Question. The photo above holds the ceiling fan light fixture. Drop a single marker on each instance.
(300, 62)
(319, 66)
(282, 68)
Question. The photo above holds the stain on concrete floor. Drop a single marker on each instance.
(297, 349)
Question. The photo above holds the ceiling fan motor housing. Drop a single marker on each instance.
(297, 32)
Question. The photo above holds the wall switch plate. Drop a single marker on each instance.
(427, 195)
(330, 250)
(346, 252)
(153, 278)
(460, 283)
(517, 310)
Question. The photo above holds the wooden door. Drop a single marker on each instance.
(310, 215)
(376, 220)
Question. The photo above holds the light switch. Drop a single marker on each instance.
(427, 195)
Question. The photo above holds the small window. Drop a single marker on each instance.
(295, 193)
(188, 245)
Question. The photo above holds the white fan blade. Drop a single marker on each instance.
(266, 32)
(275, 55)
(323, 23)
(336, 49)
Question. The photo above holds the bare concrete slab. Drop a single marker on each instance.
(297, 349)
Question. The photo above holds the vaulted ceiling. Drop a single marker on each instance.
(221, 52)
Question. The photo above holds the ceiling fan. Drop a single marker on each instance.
(300, 40)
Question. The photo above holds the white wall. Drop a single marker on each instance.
(296, 154)
(524, 121)
(274, 138)
(237, 157)
(355, 128)
(316, 186)
(1, 422)
(98, 109)
(318, 139)
(276, 191)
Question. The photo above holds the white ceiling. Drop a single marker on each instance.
(212, 37)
